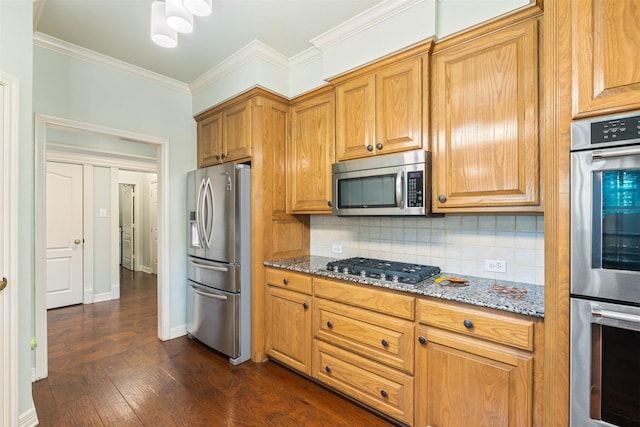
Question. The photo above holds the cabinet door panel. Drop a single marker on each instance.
(210, 141)
(607, 42)
(485, 119)
(237, 131)
(464, 381)
(288, 321)
(398, 107)
(311, 152)
(355, 105)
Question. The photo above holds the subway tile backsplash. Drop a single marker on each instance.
(458, 244)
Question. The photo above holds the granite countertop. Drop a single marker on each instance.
(516, 297)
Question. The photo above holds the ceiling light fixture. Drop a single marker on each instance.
(179, 18)
(198, 7)
(161, 33)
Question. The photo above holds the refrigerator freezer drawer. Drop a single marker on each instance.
(213, 318)
(213, 274)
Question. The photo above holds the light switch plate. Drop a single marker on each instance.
(103, 213)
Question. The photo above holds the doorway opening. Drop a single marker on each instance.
(108, 163)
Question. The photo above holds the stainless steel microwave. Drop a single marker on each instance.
(386, 185)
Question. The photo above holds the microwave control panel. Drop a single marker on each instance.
(415, 189)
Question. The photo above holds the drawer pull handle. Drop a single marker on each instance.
(384, 393)
(328, 369)
(285, 281)
(468, 324)
(305, 305)
(385, 343)
(329, 324)
(422, 340)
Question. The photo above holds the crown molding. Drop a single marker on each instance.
(362, 22)
(87, 55)
(253, 50)
(312, 54)
(61, 152)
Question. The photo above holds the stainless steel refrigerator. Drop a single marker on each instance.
(219, 259)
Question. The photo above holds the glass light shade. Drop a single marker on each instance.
(178, 17)
(198, 7)
(161, 33)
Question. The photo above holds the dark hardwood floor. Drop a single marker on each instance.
(108, 368)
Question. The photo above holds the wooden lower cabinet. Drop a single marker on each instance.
(374, 384)
(288, 328)
(464, 381)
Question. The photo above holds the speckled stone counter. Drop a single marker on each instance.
(515, 297)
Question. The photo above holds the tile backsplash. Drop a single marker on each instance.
(458, 244)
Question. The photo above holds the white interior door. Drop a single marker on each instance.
(127, 224)
(153, 220)
(64, 234)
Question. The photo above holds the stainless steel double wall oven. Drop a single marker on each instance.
(605, 271)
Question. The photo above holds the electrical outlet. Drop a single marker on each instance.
(495, 265)
(336, 249)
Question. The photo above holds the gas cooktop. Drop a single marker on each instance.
(399, 272)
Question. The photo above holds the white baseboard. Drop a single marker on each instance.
(177, 331)
(146, 269)
(28, 418)
(105, 296)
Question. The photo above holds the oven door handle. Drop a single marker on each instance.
(606, 316)
(615, 152)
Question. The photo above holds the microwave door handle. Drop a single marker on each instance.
(615, 152)
(399, 189)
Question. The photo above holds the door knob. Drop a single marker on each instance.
(77, 241)
(3, 283)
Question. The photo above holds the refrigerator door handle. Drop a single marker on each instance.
(208, 295)
(209, 267)
(207, 212)
(199, 207)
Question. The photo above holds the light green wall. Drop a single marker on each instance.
(16, 58)
(101, 230)
(73, 89)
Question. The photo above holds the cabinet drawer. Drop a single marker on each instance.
(378, 337)
(386, 302)
(289, 280)
(375, 385)
(493, 326)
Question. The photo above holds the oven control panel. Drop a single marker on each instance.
(621, 129)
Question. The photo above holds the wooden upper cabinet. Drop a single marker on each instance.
(224, 134)
(485, 123)
(210, 140)
(380, 109)
(237, 131)
(606, 42)
(311, 152)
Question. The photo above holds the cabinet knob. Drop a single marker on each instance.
(369, 147)
(329, 324)
(305, 305)
(328, 369)
(285, 281)
(223, 156)
(468, 324)
(379, 145)
(385, 343)
(422, 340)
(217, 156)
(329, 203)
(442, 198)
(384, 393)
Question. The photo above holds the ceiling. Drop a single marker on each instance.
(120, 29)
